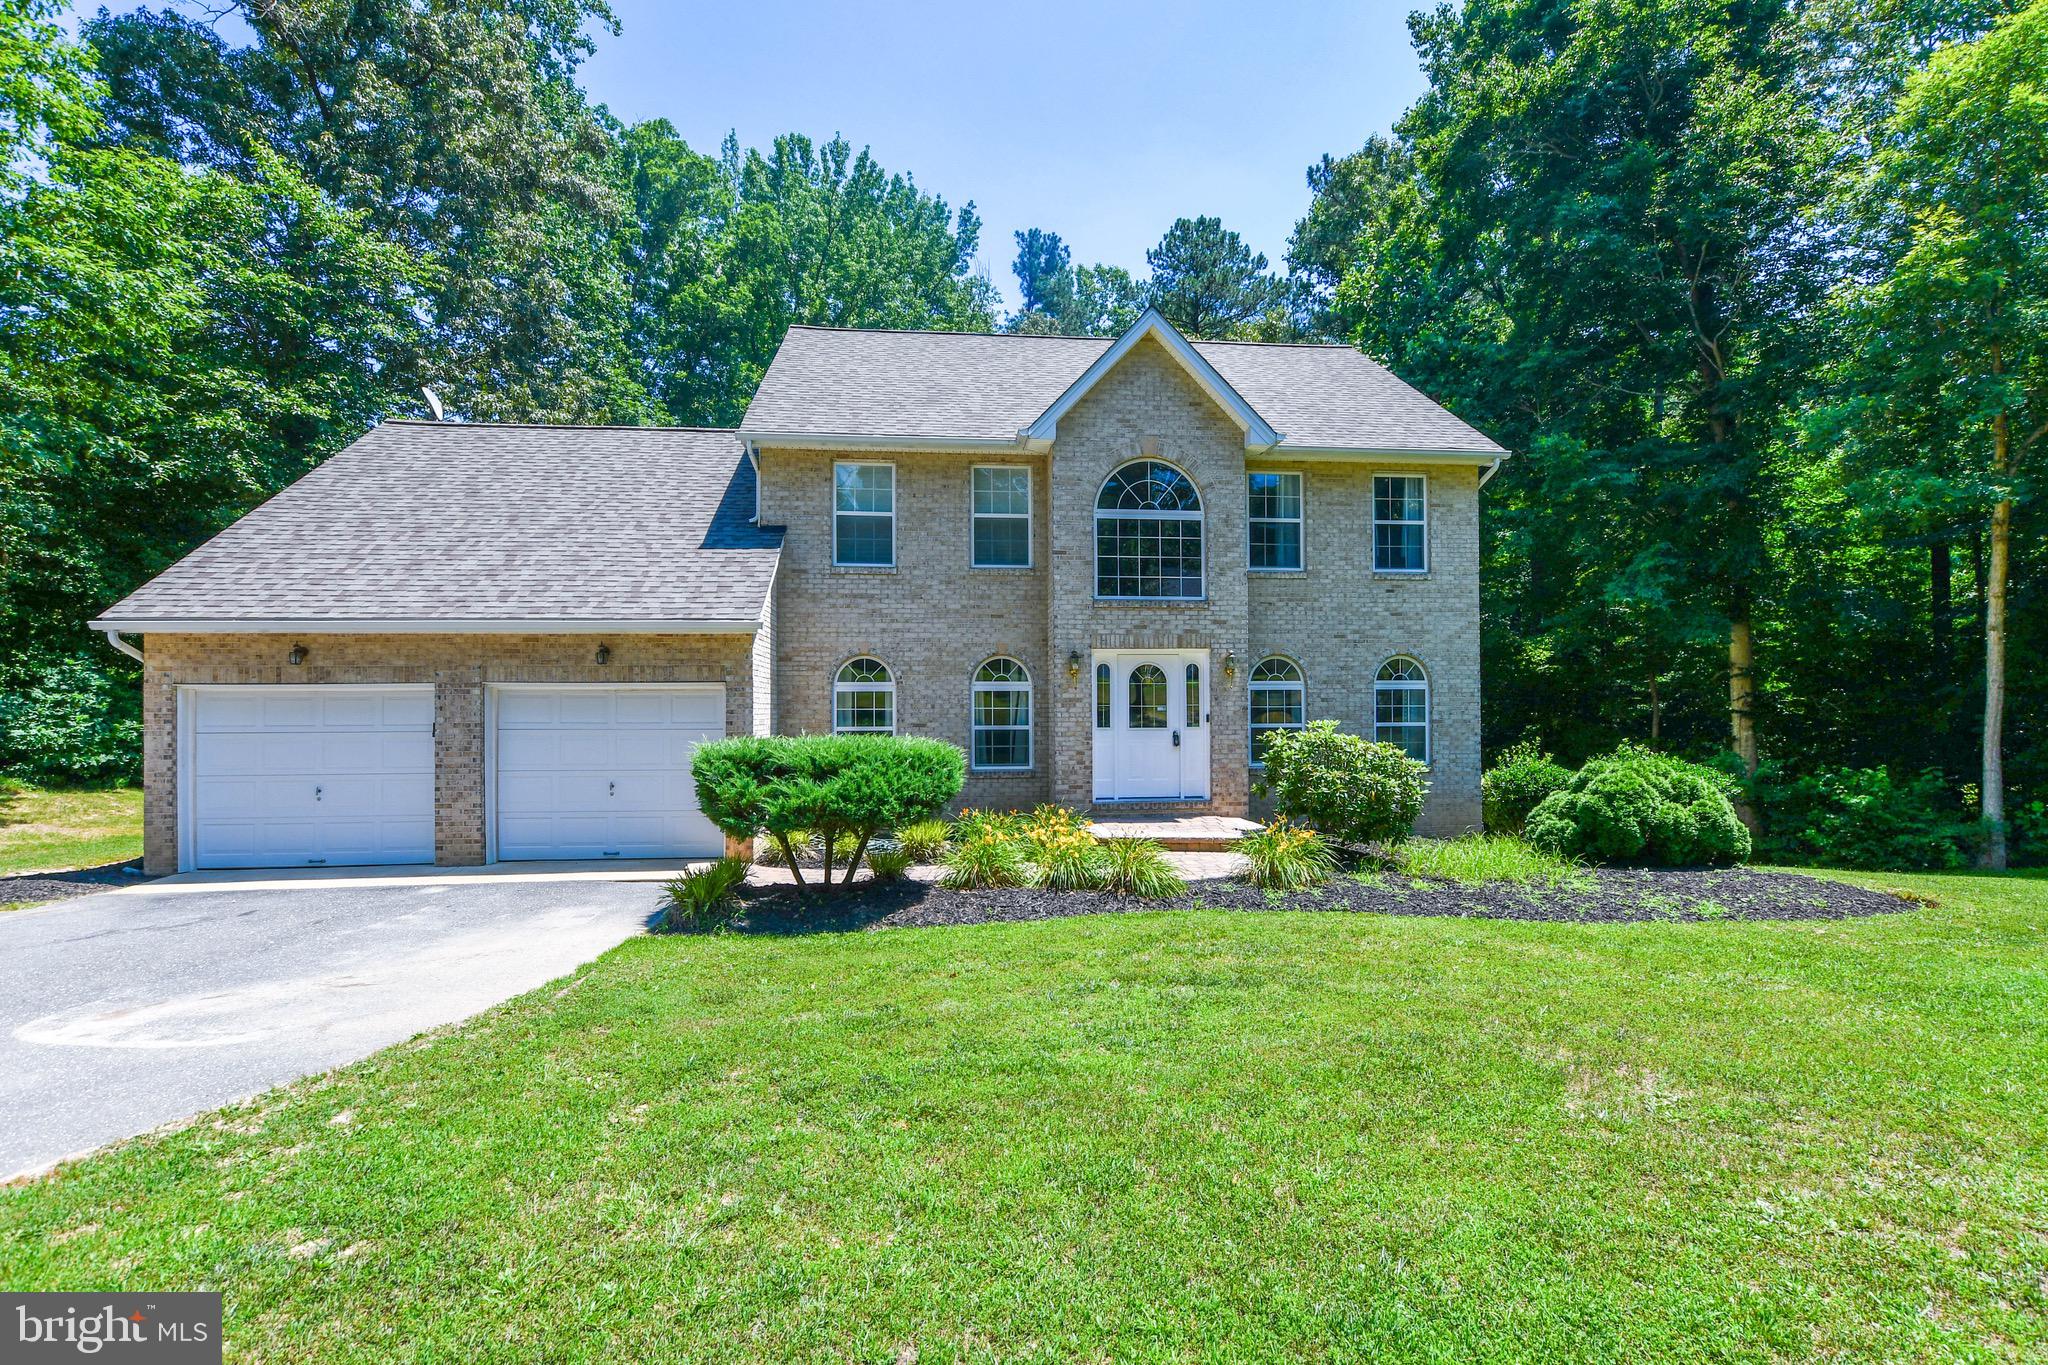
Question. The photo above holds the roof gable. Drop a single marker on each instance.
(1258, 433)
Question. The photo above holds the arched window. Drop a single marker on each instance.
(1148, 533)
(1002, 715)
(1148, 698)
(863, 699)
(1400, 707)
(1102, 702)
(1278, 699)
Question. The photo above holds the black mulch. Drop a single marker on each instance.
(55, 886)
(1606, 895)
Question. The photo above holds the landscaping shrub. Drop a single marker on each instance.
(1517, 784)
(984, 860)
(923, 840)
(837, 786)
(1638, 806)
(1138, 867)
(1347, 788)
(703, 898)
(889, 864)
(1063, 854)
(1287, 857)
(1862, 817)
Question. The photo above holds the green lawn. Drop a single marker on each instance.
(56, 830)
(1162, 1136)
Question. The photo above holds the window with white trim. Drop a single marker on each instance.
(1275, 520)
(1148, 533)
(1102, 716)
(1400, 707)
(1278, 700)
(864, 699)
(863, 514)
(1002, 715)
(1001, 516)
(1400, 523)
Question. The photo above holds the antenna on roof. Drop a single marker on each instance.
(434, 404)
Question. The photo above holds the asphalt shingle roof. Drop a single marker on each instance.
(976, 386)
(427, 521)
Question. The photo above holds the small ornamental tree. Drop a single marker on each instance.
(832, 785)
(1346, 788)
(1638, 806)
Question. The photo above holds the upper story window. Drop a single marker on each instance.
(1400, 523)
(864, 699)
(864, 514)
(1002, 715)
(1275, 520)
(1277, 700)
(1400, 707)
(1002, 517)
(1148, 533)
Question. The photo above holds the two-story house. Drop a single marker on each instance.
(1105, 568)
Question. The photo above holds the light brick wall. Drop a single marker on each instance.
(459, 667)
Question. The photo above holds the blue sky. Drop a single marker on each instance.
(1103, 122)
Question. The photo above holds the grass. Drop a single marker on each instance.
(1155, 1136)
(58, 829)
(1474, 859)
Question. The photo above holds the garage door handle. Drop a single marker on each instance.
(611, 789)
(316, 793)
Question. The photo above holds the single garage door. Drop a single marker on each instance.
(310, 775)
(604, 772)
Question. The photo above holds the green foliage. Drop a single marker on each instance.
(1350, 789)
(705, 897)
(983, 860)
(889, 864)
(1638, 806)
(923, 840)
(1286, 857)
(73, 723)
(1862, 817)
(835, 786)
(1515, 785)
(1138, 867)
(1208, 283)
(1064, 855)
(1064, 299)
(1477, 859)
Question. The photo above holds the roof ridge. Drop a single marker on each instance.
(1279, 345)
(553, 426)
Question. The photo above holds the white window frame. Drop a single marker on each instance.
(1373, 512)
(975, 727)
(1380, 685)
(837, 512)
(974, 516)
(1200, 516)
(1299, 687)
(839, 686)
(1300, 520)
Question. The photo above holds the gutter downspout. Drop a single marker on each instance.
(1491, 470)
(753, 453)
(114, 639)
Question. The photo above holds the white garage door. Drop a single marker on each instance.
(604, 772)
(310, 775)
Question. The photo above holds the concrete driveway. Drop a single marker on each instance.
(129, 1009)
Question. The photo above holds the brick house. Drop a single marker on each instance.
(1102, 567)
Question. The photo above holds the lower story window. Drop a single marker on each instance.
(864, 699)
(1002, 715)
(1400, 707)
(1278, 701)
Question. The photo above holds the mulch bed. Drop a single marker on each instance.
(56, 886)
(1606, 895)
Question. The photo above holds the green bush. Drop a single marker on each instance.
(703, 898)
(1138, 867)
(923, 840)
(985, 861)
(1517, 784)
(75, 723)
(1638, 806)
(1286, 857)
(1347, 788)
(833, 785)
(1863, 817)
(889, 864)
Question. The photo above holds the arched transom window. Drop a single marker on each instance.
(1002, 715)
(1400, 707)
(1148, 533)
(1278, 702)
(863, 699)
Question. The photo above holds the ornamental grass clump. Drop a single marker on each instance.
(923, 840)
(1138, 867)
(704, 897)
(889, 864)
(1286, 857)
(985, 861)
(1639, 806)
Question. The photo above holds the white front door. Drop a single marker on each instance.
(1152, 726)
(604, 772)
(311, 775)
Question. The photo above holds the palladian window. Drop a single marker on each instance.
(1400, 707)
(1002, 715)
(864, 699)
(1148, 533)
(1277, 700)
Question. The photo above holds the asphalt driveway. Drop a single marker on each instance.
(123, 1011)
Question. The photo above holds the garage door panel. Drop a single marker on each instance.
(583, 708)
(521, 708)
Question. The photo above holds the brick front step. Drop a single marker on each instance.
(1182, 833)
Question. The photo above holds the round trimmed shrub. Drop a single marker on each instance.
(1517, 784)
(1636, 806)
(1344, 787)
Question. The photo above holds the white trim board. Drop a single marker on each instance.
(1258, 434)
(214, 625)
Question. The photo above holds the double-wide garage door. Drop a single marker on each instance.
(338, 775)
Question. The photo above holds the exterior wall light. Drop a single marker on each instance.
(604, 654)
(1229, 663)
(1073, 664)
(297, 656)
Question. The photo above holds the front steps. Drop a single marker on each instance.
(1181, 833)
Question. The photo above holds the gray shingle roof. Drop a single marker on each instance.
(975, 386)
(426, 522)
